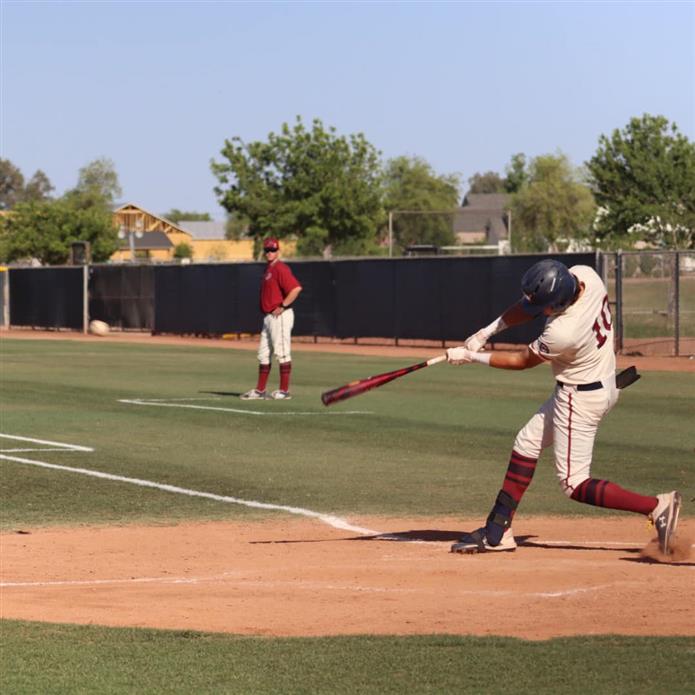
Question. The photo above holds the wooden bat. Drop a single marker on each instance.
(355, 388)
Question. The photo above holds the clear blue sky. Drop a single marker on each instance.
(158, 86)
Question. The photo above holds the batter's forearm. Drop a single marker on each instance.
(509, 360)
(521, 359)
(514, 316)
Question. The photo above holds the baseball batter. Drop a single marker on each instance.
(279, 290)
(577, 341)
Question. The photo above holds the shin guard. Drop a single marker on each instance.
(500, 518)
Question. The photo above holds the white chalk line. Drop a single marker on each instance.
(61, 446)
(168, 403)
(232, 577)
(329, 519)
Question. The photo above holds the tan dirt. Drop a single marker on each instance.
(295, 577)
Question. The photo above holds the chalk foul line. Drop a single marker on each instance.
(161, 403)
(329, 519)
(54, 446)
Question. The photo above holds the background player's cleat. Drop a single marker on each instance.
(253, 395)
(476, 542)
(281, 395)
(665, 518)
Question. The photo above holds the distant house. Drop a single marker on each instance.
(483, 219)
(152, 237)
(155, 238)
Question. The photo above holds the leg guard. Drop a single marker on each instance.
(500, 518)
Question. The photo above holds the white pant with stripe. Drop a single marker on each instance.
(568, 421)
(276, 336)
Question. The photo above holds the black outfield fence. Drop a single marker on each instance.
(440, 299)
(47, 297)
(123, 296)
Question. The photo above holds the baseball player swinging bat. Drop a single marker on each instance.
(355, 388)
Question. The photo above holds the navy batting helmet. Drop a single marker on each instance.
(546, 284)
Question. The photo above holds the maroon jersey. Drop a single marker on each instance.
(277, 283)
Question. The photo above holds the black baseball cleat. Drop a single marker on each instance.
(665, 518)
(477, 542)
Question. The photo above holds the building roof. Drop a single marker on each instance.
(204, 230)
(487, 201)
(483, 213)
(148, 241)
(130, 213)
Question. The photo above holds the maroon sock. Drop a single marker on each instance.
(519, 475)
(602, 493)
(263, 374)
(285, 370)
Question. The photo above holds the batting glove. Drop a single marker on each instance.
(477, 341)
(458, 355)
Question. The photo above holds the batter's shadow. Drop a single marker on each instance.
(523, 541)
(439, 536)
(233, 394)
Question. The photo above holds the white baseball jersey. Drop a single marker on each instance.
(579, 341)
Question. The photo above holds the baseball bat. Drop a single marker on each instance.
(355, 388)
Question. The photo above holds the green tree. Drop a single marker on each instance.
(183, 250)
(235, 227)
(553, 207)
(489, 182)
(316, 185)
(643, 178)
(13, 189)
(38, 188)
(413, 188)
(97, 185)
(517, 175)
(44, 230)
(11, 184)
(175, 215)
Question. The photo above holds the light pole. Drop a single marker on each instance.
(126, 231)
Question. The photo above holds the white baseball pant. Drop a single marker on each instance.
(568, 421)
(276, 337)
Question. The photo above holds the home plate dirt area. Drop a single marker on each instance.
(298, 577)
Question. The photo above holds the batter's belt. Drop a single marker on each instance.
(622, 381)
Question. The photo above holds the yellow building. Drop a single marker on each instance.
(151, 237)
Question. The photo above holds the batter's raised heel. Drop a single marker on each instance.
(665, 518)
(477, 542)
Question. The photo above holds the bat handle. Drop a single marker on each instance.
(436, 360)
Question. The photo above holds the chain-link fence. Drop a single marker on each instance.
(653, 293)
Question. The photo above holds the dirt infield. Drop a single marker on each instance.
(301, 577)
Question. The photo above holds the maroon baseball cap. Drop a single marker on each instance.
(271, 244)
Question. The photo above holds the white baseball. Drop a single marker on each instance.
(97, 327)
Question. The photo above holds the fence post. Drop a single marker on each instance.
(619, 299)
(85, 298)
(676, 304)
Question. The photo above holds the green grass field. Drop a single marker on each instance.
(648, 307)
(433, 443)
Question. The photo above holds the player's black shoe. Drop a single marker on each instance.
(477, 542)
(665, 518)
